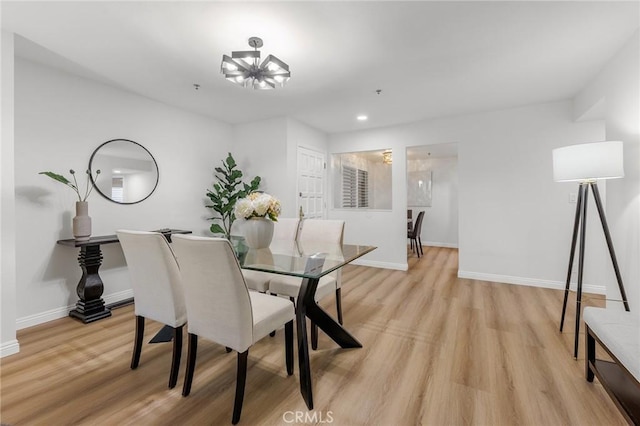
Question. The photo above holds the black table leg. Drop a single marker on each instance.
(331, 327)
(303, 347)
(90, 307)
(307, 307)
(163, 336)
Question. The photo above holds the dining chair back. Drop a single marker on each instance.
(314, 231)
(330, 231)
(157, 289)
(325, 231)
(285, 229)
(222, 309)
(414, 235)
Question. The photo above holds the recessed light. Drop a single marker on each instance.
(116, 171)
(362, 118)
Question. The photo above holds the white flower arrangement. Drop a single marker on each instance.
(258, 204)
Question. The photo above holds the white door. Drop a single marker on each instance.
(311, 176)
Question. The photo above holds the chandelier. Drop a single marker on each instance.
(244, 68)
(386, 157)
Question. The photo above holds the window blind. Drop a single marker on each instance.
(355, 188)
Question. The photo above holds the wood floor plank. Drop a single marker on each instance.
(437, 350)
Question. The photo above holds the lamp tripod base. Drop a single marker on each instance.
(580, 226)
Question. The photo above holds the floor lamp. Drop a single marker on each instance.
(586, 163)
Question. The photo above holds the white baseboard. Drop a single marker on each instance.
(532, 282)
(383, 265)
(9, 348)
(438, 244)
(42, 317)
(63, 312)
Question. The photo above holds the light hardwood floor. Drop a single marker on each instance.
(438, 350)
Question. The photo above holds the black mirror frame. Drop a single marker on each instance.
(109, 198)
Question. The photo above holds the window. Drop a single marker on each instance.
(355, 187)
(361, 180)
(117, 190)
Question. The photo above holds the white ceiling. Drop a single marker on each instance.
(430, 59)
(442, 150)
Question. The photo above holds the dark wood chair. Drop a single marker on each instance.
(414, 235)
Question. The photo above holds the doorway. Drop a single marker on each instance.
(432, 187)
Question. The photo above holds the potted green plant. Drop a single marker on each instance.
(227, 190)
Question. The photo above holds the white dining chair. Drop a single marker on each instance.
(314, 231)
(285, 229)
(157, 290)
(222, 309)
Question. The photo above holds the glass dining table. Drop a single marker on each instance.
(310, 261)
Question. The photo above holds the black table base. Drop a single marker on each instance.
(90, 306)
(307, 307)
(163, 336)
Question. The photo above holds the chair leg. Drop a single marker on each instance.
(241, 379)
(339, 304)
(191, 363)
(420, 246)
(314, 336)
(137, 342)
(177, 354)
(288, 341)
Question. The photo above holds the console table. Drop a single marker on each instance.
(90, 306)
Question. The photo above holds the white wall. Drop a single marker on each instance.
(260, 149)
(268, 149)
(440, 224)
(60, 120)
(8, 343)
(618, 84)
(514, 221)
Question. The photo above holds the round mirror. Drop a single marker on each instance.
(128, 172)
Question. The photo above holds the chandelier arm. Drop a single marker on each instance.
(238, 65)
(268, 73)
(269, 60)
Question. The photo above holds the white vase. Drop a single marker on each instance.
(258, 232)
(82, 222)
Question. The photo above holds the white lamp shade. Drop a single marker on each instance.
(589, 161)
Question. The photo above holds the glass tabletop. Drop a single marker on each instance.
(308, 259)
